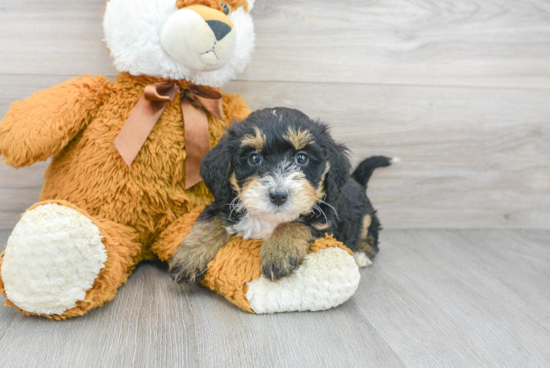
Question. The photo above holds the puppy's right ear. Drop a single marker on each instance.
(216, 169)
(339, 173)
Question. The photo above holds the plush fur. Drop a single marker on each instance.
(279, 176)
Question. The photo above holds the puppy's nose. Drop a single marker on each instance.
(278, 197)
(220, 29)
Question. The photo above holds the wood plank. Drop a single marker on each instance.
(518, 260)
(437, 304)
(479, 43)
(471, 158)
(339, 337)
(53, 37)
(431, 299)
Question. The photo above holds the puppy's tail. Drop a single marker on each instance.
(364, 171)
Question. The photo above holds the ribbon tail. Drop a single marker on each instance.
(143, 118)
(135, 131)
(197, 141)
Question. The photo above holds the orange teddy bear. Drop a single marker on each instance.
(115, 196)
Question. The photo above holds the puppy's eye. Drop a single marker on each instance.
(254, 159)
(302, 159)
(226, 9)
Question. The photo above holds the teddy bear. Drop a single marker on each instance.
(124, 183)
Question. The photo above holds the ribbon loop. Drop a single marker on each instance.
(161, 92)
(150, 107)
(210, 99)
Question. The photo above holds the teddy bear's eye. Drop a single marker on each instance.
(226, 9)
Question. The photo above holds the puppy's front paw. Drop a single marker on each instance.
(188, 264)
(276, 265)
(276, 270)
(284, 251)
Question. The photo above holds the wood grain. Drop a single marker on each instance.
(461, 284)
(431, 299)
(475, 43)
(471, 157)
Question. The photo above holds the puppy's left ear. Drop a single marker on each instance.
(339, 172)
(216, 169)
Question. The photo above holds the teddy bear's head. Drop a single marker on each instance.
(206, 42)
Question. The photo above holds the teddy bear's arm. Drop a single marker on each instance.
(41, 125)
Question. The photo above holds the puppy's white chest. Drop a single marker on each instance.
(253, 228)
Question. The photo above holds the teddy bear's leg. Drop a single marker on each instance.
(327, 277)
(171, 238)
(60, 262)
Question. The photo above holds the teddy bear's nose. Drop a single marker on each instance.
(220, 29)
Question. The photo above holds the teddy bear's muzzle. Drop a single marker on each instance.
(199, 37)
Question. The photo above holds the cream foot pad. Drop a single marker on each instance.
(52, 258)
(325, 280)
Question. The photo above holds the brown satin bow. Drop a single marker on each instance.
(150, 107)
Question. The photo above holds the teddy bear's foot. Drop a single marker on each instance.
(53, 260)
(324, 280)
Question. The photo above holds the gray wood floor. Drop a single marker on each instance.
(431, 299)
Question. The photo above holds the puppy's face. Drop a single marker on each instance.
(281, 177)
(277, 165)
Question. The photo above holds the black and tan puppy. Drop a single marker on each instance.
(279, 176)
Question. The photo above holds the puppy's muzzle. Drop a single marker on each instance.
(280, 195)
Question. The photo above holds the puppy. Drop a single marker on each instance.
(279, 176)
